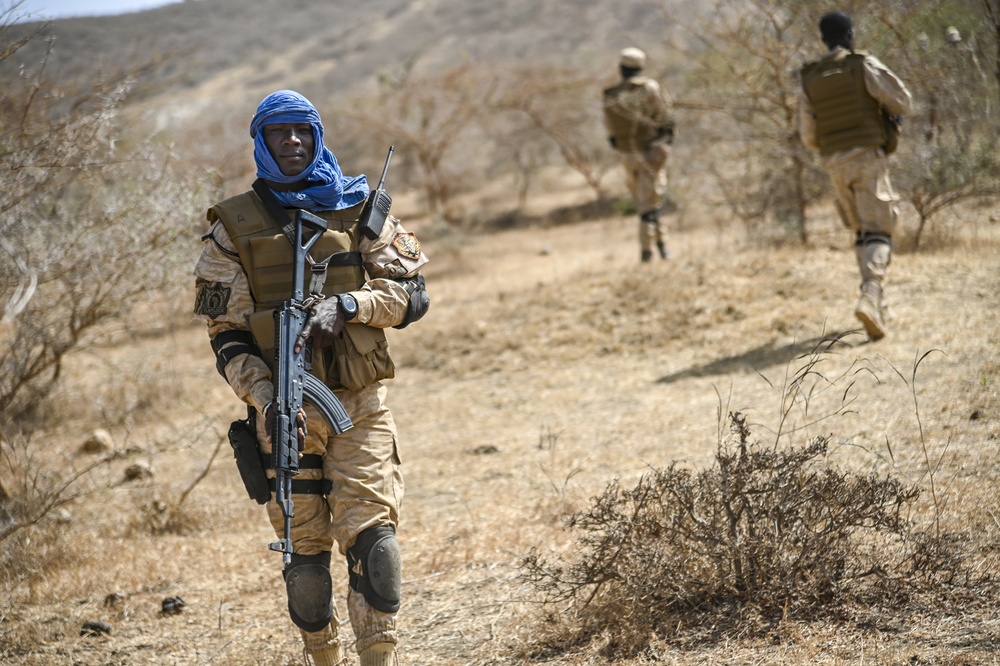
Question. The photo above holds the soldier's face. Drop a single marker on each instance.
(291, 146)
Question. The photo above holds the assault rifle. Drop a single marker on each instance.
(293, 382)
(377, 206)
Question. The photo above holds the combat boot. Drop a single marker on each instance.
(646, 256)
(380, 654)
(327, 656)
(869, 310)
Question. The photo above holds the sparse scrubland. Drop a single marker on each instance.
(699, 461)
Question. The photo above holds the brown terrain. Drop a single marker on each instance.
(550, 364)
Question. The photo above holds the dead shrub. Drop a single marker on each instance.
(762, 535)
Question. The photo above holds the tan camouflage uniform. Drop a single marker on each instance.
(635, 111)
(866, 200)
(362, 463)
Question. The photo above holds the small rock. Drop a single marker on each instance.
(484, 450)
(61, 516)
(138, 472)
(173, 605)
(115, 599)
(98, 442)
(91, 628)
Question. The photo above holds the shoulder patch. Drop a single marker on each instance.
(407, 245)
(212, 300)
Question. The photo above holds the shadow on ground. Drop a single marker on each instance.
(768, 355)
(584, 212)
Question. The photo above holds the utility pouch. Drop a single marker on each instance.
(243, 439)
(361, 357)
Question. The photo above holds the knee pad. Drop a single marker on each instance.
(310, 591)
(650, 217)
(866, 238)
(375, 568)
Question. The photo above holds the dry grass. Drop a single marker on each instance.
(551, 363)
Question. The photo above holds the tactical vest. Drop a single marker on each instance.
(626, 115)
(847, 116)
(360, 355)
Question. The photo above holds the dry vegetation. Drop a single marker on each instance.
(699, 461)
(549, 368)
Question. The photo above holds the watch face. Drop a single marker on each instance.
(349, 305)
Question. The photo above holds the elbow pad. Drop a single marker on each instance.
(419, 303)
(227, 345)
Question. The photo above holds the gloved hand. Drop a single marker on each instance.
(271, 417)
(324, 324)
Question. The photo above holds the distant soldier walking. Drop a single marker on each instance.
(639, 124)
(849, 102)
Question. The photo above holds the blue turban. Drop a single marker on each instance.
(328, 188)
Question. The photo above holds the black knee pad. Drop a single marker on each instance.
(863, 239)
(310, 591)
(375, 568)
(650, 217)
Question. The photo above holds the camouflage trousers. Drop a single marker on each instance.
(866, 199)
(868, 205)
(648, 186)
(364, 467)
(646, 183)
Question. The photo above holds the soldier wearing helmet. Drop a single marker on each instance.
(640, 128)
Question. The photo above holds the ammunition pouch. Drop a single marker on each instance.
(360, 357)
(243, 439)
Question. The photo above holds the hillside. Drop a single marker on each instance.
(318, 46)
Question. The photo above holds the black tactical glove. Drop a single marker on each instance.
(271, 416)
(324, 324)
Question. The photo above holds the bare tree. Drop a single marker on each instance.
(948, 148)
(747, 59)
(88, 230)
(560, 106)
(429, 118)
(992, 9)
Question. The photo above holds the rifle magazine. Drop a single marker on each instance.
(327, 403)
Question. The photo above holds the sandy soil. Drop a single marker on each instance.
(551, 362)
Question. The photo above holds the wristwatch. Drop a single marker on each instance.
(349, 306)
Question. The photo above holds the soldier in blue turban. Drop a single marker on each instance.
(349, 488)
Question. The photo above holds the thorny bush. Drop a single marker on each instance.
(761, 535)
